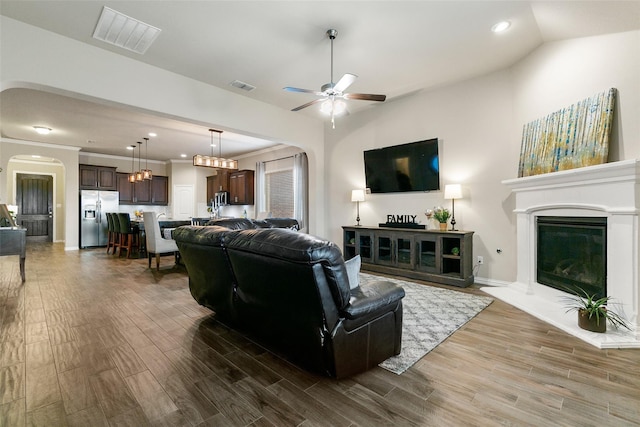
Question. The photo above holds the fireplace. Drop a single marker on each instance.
(600, 205)
(572, 254)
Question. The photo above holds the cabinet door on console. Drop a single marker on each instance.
(365, 247)
(394, 249)
(428, 247)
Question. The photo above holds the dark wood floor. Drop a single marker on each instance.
(94, 340)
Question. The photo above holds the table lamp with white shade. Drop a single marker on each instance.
(453, 192)
(357, 196)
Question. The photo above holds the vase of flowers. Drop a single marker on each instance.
(442, 216)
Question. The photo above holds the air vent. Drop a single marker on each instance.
(125, 32)
(242, 85)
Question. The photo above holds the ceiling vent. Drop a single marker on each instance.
(125, 32)
(242, 85)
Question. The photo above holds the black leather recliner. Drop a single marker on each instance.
(290, 292)
(246, 224)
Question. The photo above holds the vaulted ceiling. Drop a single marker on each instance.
(395, 47)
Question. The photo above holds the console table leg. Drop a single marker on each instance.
(22, 260)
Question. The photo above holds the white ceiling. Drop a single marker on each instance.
(395, 47)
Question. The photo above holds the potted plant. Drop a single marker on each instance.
(593, 312)
(442, 216)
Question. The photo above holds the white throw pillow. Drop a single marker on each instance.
(353, 270)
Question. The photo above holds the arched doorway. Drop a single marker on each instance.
(36, 186)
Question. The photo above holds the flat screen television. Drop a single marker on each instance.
(406, 167)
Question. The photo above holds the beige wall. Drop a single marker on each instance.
(66, 182)
(560, 73)
(39, 59)
(479, 123)
(122, 163)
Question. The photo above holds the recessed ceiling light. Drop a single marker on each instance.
(130, 147)
(42, 130)
(183, 155)
(501, 26)
(153, 134)
(35, 156)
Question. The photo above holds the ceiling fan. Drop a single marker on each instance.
(332, 94)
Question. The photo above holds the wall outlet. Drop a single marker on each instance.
(480, 260)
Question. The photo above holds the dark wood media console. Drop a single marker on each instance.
(438, 256)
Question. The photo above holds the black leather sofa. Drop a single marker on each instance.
(290, 292)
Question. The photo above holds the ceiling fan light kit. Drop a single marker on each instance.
(335, 107)
(332, 94)
(213, 161)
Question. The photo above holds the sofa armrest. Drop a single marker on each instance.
(372, 300)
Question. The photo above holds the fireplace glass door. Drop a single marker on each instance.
(572, 253)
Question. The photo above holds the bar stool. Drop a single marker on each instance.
(128, 238)
(116, 231)
(110, 232)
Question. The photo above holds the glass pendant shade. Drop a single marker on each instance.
(132, 176)
(139, 171)
(146, 172)
(213, 161)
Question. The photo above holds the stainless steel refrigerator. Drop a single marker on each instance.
(94, 205)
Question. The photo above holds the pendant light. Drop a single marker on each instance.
(212, 161)
(139, 177)
(132, 177)
(146, 172)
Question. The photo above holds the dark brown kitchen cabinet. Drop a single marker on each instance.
(142, 192)
(217, 183)
(154, 192)
(160, 190)
(241, 187)
(125, 189)
(97, 177)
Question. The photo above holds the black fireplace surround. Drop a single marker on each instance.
(572, 253)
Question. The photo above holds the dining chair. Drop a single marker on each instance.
(110, 232)
(116, 231)
(156, 245)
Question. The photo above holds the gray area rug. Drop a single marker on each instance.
(430, 315)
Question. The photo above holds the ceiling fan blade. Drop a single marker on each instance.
(344, 82)
(296, 89)
(308, 104)
(365, 96)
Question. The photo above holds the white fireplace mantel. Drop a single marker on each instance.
(610, 190)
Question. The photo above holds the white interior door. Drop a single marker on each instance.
(183, 201)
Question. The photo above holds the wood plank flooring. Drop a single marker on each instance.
(95, 340)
